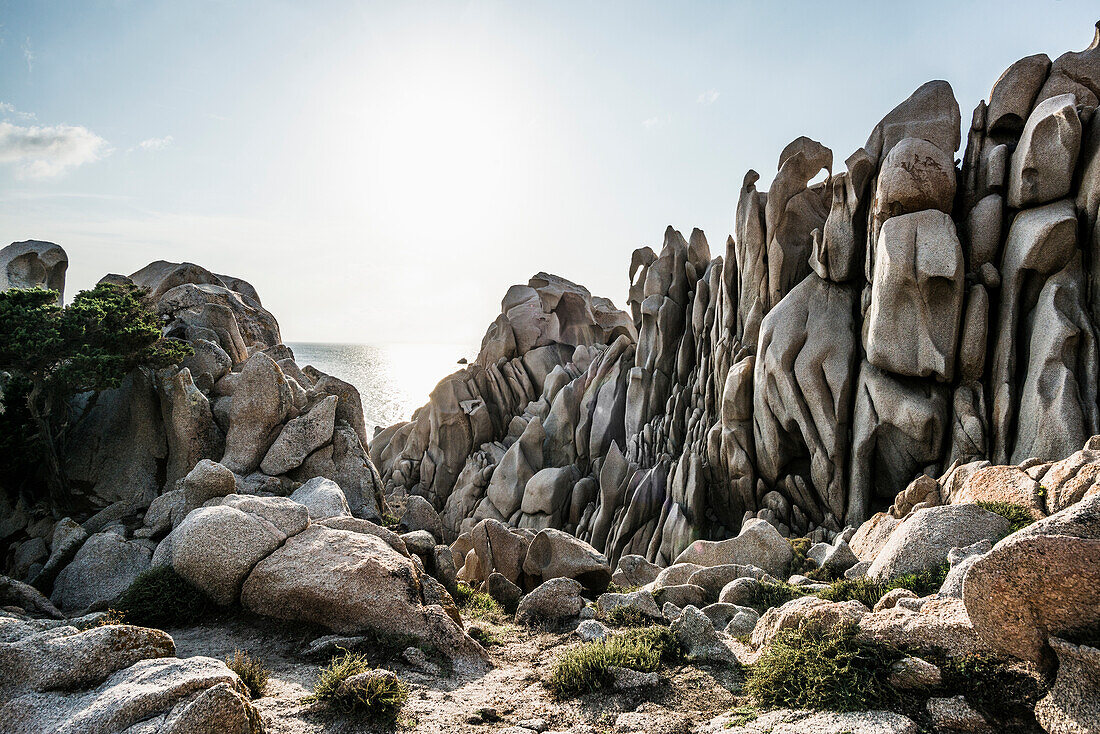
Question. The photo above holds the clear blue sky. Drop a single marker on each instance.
(384, 171)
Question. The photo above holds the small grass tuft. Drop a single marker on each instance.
(111, 617)
(742, 715)
(922, 583)
(613, 588)
(768, 595)
(586, 667)
(390, 522)
(799, 562)
(380, 701)
(864, 590)
(160, 597)
(625, 616)
(1018, 515)
(829, 670)
(477, 603)
(251, 671)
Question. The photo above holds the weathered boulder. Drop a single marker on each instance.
(420, 515)
(758, 544)
(64, 659)
(102, 569)
(697, 637)
(915, 175)
(300, 437)
(26, 597)
(806, 613)
(872, 536)
(634, 570)
(288, 516)
(715, 578)
(917, 281)
(788, 721)
(150, 691)
(34, 264)
(215, 548)
(1044, 160)
(189, 426)
(640, 601)
(555, 554)
(117, 447)
(925, 538)
(345, 462)
(558, 598)
(206, 481)
(350, 582)
(503, 591)
(261, 402)
(940, 624)
(1038, 582)
(1073, 704)
(323, 498)
(961, 559)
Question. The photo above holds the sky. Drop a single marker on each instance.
(384, 171)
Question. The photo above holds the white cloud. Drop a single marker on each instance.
(155, 143)
(40, 152)
(8, 110)
(708, 97)
(654, 122)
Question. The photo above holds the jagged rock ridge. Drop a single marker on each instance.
(908, 316)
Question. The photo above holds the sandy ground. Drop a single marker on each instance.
(511, 691)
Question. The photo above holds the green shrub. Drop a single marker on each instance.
(764, 596)
(160, 597)
(586, 667)
(613, 588)
(389, 521)
(1000, 690)
(822, 670)
(864, 590)
(625, 616)
(379, 700)
(922, 583)
(1018, 515)
(251, 671)
(477, 603)
(799, 563)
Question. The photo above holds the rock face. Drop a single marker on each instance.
(778, 379)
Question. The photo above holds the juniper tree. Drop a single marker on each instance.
(51, 354)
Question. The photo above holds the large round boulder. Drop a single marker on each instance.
(352, 583)
(923, 540)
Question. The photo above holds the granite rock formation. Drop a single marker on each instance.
(906, 316)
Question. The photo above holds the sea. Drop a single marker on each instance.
(393, 379)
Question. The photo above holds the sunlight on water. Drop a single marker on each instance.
(393, 379)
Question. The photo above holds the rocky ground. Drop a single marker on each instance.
(441, 701)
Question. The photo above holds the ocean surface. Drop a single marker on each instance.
(393, 379)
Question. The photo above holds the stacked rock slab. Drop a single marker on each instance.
(903, 317)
